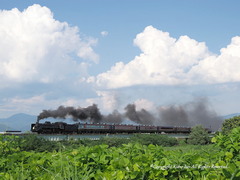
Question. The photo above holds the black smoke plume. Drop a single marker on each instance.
(173, 116)
(90, 113)
(189, 114)
(114, 117)
(140, 117)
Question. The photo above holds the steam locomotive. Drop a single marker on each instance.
(82, 128)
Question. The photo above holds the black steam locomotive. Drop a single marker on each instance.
(81, 128)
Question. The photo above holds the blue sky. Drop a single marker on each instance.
(151, 53)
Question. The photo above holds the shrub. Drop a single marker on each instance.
(198, 136)
(230, 123)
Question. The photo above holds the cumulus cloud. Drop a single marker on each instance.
(168, 61)
(222, 68)
(36, 47)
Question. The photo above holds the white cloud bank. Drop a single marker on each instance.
(35, 47)
(168, 61)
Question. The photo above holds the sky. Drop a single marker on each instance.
(150, 53)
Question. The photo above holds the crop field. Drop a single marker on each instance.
(119, 159)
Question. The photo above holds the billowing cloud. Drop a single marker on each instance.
(168, 61)
(222, 68)
(35, 47)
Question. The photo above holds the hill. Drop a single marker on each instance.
(4, 128)
(230, 115)
(19, 121)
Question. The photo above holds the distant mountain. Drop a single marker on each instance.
(19, 121)
(230, 115)
(3, 128)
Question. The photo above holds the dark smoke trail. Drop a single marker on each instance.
(174, 116)
(131, 113)
(190, 114)
(202, 113)
(91, 113)
(140, 117)
(115, 117)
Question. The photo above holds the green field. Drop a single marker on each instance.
(141, 158)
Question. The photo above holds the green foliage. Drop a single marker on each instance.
(155, 139)
(145, 139)
(230, 123)
(220, 160)
(182, 142)
(34, 143)
(229, 142)
(113, 141)
(8, 145)
(230, 152)
(110, 141)
(199, 136)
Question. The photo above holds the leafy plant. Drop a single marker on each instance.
(230, 152)
(8, 144)
(73, 160)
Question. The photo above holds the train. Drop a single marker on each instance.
(85, 128)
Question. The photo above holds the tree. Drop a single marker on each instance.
(230, 123)
(198, 135)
